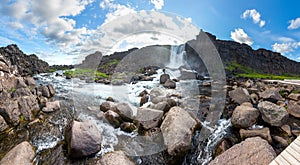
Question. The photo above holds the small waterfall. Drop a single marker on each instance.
(177, 53)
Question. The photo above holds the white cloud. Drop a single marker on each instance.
(285, 39)
(294, 24)
(285, 48)
(158, 4)
(240, 36)
(255, 16)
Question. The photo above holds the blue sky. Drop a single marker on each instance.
(62, 31)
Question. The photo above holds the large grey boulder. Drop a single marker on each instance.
(10, 112)
(115, 158)
(239, 95)
(293, 108)
(149, 118)
(125, 111)
(83, 139)
(22, 154)
(254, 151)
(244, 116)
(177, 129)
(273, 114)
(28, 106)
(271, 94)
(108, 105)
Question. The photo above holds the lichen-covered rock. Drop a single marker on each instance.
(177, 129)
(273, 114)
(22, 154)
(254, 151)
(83, 139)
(244, 116)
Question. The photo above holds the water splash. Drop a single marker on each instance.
(177, 54)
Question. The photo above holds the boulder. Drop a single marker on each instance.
(157, 91)
(244, 116)
(83, 139)
(3, 124)
(294, 96)
(263, 133)
(44, 91)
(144, 100)
(254, 151)
(177, 129)
(113, 118)
(21, 92)
(271, 94)
(115, 158)
(51, 106)
(22, 154)
(294, 108)
(163, 106)
(28, 106)
(51, 90)
(29, 81)
(108, 105)
(125, 111)
(170, 84)
(163, 78)
(158, 99)
(272, 113)
(239, 95)
(149, 118)
(281, 141)
(287, 129)
(9, 110)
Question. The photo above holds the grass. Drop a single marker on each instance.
(250, 73)
(109, 64)
(79, 72)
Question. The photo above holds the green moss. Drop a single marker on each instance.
(250, 73)
(109, 64)
(101, 75)
(12, 89)
(85, 72)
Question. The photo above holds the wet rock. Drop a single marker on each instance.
(263, 133)
(28, 106)
(45, 91)
(171, 102)
(239, 95)
(125, 111)
(51, 90)
(271, 94)
(108, 105)
(113, 118)
(127, 127)
(115, 158)
(83, 139)
(177, 129)
(163, 106)
(10, 112)
(110, 99)
(254, 151)
(3, 124)
(144, 100)
(157, 91)
(51, 106)
(244, 116)
(22, 154)
(170, 84)
(294, 96)
(294, 108)
(163, 78)
(149, 118)
(143, 93)
(272, 113)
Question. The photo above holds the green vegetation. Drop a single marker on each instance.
(79, 72)
(12, 89)
(250, 73)
(109, 64)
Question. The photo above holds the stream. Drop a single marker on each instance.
(84, 99)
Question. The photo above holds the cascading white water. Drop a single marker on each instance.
(177, 53)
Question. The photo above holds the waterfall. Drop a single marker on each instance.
(177, 53)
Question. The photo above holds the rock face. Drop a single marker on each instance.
(22, 154)
(3, 124)
(294, 108)
(177, 129)
(254, 151)
(26, 65)
(115, 158)
(239, 95)
(294, 96)
(272, 113)
(83, 139)
(244, 116)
